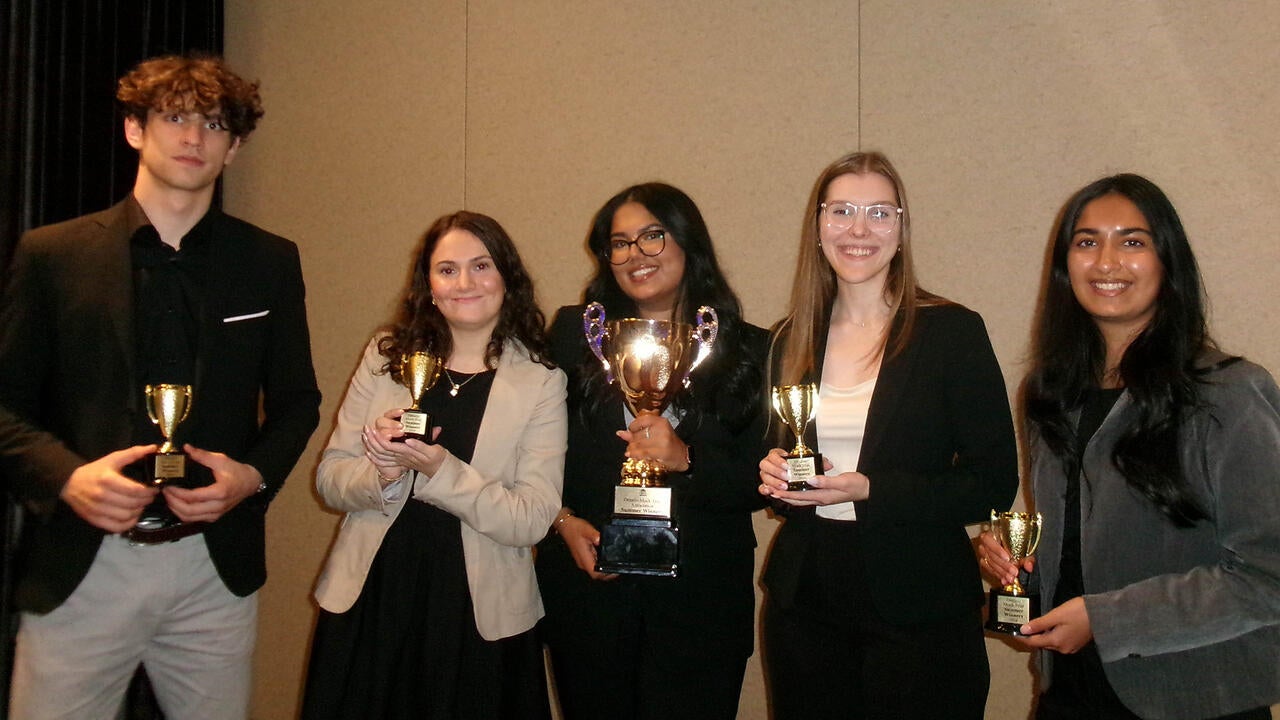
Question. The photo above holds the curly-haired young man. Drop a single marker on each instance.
(117, 568)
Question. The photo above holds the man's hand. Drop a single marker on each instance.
(104, 497)
(232, 482)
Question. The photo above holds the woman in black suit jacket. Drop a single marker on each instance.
(643, 647)
(873, 594)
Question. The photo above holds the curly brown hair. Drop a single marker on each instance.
(191, 83)
(418, 324)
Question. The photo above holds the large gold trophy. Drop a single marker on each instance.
(651, 361)
(419, 372)
(168, 406)
(1012, 606)
(796, 405)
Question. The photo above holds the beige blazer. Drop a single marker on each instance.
(506, 497)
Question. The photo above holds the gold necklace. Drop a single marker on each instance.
(453, 391)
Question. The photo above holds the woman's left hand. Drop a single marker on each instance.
(651, 437)
(1064, 629)
(411, 454)
(828, 490)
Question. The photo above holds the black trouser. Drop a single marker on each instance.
(833, 656)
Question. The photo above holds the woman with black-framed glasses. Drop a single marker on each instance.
(873, 602)
(630, 646)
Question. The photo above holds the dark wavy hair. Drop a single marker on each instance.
(190, 83)
(418, 324)
(1158, 368)
(727, 384)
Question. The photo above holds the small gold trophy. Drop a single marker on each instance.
(168, 406)
(651, 361)
(419, 371)
(796, 405)
(1012, 606)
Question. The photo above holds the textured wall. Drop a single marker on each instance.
(383, 115)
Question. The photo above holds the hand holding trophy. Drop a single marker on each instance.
(419, 372)
(167, 406)
(1013, 606)
(796, 405)
(651, 361)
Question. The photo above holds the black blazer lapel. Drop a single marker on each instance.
(111, 284)
(892, 388)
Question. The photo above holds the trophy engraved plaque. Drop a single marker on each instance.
(651, 361)
(796, 405)
(1011, 606)
(418, 372)
(168, 406)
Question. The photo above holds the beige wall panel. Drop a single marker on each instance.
(361, 148)
(995, 112)
(998, 111)
(738, 104)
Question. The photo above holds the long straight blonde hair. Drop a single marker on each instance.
(813, 290)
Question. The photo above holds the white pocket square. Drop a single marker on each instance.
(250, 316)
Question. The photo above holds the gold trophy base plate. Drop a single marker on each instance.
(639, 546)
(170, 469)
(1006, 614)
(802, 468)
(417, 425)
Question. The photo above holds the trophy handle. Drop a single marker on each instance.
(186, 405)
(707, 325)
(1035, 542)
(593, 327)
(151, 413)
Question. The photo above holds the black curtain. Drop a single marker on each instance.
(62, 148)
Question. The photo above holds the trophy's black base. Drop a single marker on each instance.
(804, 467)
(1006, 614)
(639, 546)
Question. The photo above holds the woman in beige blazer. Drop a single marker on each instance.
(428, 597)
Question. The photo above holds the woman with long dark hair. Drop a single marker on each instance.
(1156, 467)
(428, 599)
(629, 646)
(873, 598)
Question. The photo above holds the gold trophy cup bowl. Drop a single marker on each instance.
(796, 406)
(1012, 606)
(419, 372)
(167, 406)
(651, 361)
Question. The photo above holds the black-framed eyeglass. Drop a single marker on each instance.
(649, 242)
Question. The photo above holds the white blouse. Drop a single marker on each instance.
(841, 425)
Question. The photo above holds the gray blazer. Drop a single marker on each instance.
(1186, 620)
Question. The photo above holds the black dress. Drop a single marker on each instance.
(408, 648)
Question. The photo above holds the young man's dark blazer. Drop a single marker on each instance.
(69, 394)
(940, 452)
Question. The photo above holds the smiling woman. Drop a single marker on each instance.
(642, 646)
(914, 422)
(1114, 268)
(1154, 461)
(428, 598)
